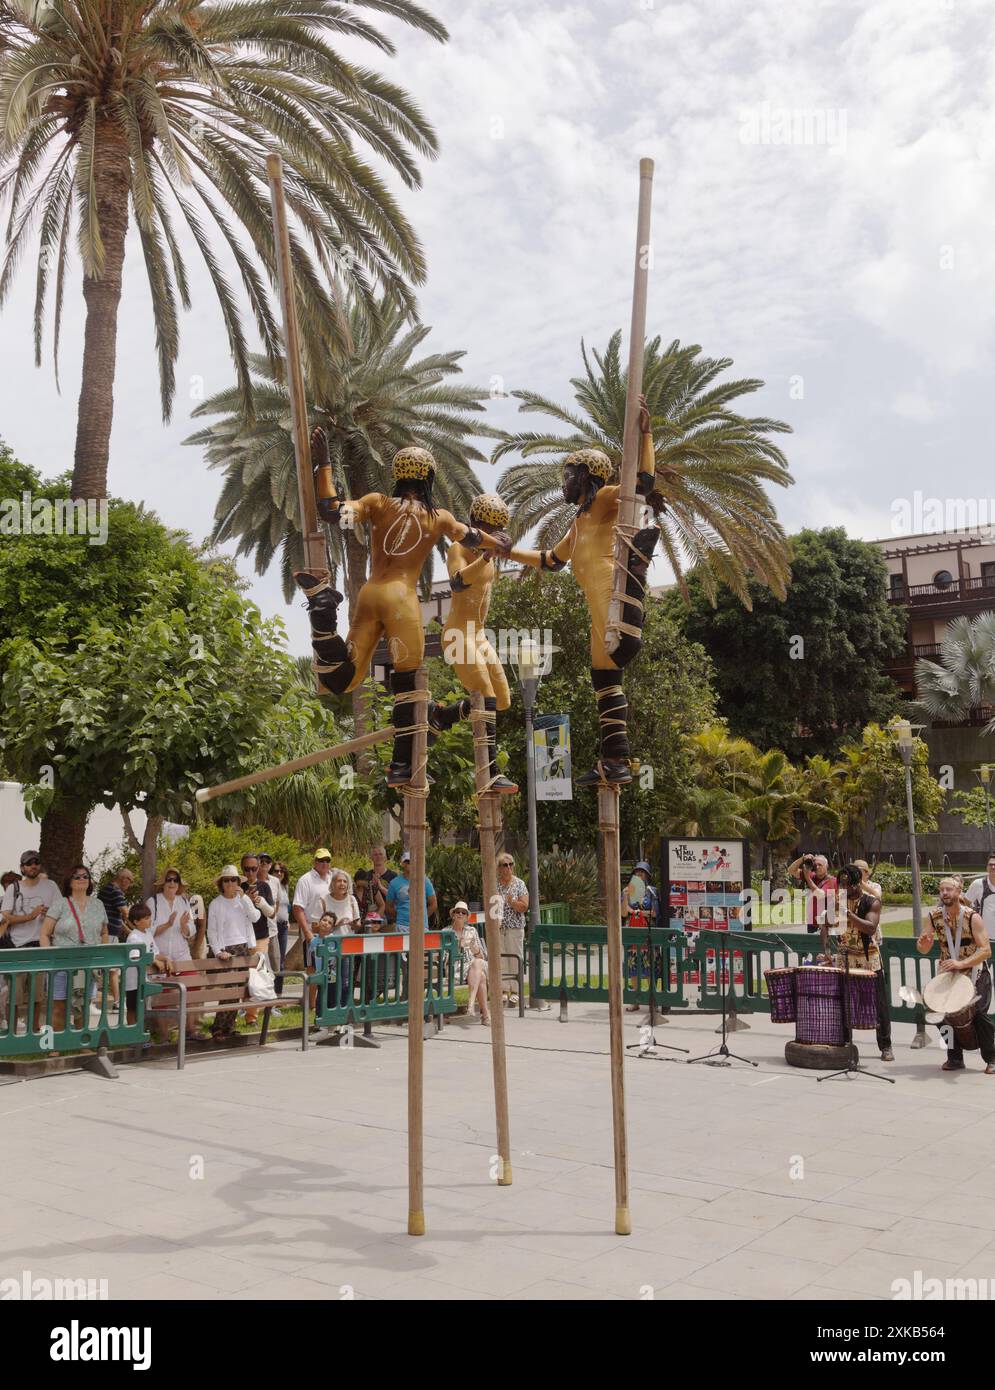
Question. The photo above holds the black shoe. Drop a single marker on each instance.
(503, 784)
(615, 774)
(400, 774)
(443, 717)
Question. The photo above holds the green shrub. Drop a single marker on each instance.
(571, 877)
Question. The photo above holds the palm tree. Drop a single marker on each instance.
(966, 678)
(371, 399)
(163, 111)
(710, 811)
(778, 797)
(711, 463)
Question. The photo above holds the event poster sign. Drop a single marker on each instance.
(551, 738)
(703, 880)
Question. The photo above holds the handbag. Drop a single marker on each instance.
(262, 982)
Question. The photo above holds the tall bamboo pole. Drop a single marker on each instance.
(414, 824)
(314, 545)
(322, 755)
(627, 500)
(489, 811)
(608, 799)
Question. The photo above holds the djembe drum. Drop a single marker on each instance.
(782, 994)
(952, 1001)
(812, 997)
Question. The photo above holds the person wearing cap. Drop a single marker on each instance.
(398, 896)
(310, 904)
(639, 896)
(231, 932)
(474, 959)
(24, 906)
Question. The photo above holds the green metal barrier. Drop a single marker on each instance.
(28, 983)
(554, 914)
(571, 963)
(363, 978)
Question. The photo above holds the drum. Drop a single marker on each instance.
(951, 994)
(863, 999)
(820, 1005)
(782, 995)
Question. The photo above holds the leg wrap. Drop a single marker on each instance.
(442, 717)
(490, 718)
(332, 662)
(402, 683)
(613, 716)
(633, 614)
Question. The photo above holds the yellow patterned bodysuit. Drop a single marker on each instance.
(464, 643)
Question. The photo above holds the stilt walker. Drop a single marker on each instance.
(610, 554)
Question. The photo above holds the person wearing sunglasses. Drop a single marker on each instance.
(78, 919)
(172, 917)
(24, 906)
(231, 932)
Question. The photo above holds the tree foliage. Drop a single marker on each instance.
(804, 673)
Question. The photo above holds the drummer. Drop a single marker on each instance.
(963, 940)
(858, 941)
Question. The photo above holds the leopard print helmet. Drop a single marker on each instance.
(489, 510)
(597, 463)
(413, 463)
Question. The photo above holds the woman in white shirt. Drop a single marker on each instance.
(341, 905)
(231, 920)
(474, 959)
(172, 917)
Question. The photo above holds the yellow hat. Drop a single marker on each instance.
(323, 854)
(489, 510)
(597, 463)
(413, 463)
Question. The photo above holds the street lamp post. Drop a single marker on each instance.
(530, 671)
(984, 776)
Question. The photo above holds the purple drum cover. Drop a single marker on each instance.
(781, 993)
(863, 1001)
(820, 1006)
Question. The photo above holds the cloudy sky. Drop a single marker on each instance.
(823, 214)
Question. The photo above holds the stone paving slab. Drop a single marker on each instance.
(262, 1175)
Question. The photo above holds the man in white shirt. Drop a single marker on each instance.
(24, 906)
(310, 902)
(981, 896)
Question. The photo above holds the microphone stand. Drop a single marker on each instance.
(647, 1047)
(721, 1056)
(852, 1067)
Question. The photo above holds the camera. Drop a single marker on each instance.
(808, 862)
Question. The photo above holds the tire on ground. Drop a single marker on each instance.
(818, 1056)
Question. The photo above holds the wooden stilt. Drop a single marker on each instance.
(489, 811)
(323, 755)
(414, 825)
(608, 826)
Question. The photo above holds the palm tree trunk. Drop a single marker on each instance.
(63, 827)
(102, 296)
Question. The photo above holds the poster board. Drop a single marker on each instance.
(705, 884)
(551, 741)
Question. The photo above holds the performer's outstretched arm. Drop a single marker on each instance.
(556, 559)
(472, 538)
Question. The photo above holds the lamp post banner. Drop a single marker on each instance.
(551, 740)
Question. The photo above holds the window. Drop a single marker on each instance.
(897, 585)
(943, 579)
(988, 573)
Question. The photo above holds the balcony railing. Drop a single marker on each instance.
(981, 714)
(979, 587)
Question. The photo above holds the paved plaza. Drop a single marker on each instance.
(277, 1175)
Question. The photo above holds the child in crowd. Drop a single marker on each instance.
(142, 933)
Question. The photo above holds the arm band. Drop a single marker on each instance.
(645, 482)
(458, 583)
(472, 538)
(549, 560)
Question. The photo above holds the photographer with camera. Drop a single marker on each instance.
(811, 872)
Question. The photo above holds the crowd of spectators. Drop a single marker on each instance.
(255, 912)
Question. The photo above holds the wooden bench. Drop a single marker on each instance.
(218, 986)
